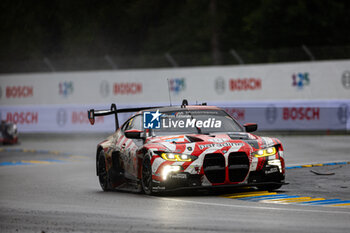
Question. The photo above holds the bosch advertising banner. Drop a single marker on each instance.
(286, 96)
(274, 82)
(294, 115)
(60, 119)
(269, 116)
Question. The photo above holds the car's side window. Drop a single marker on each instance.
(125, 125)
(134, 123)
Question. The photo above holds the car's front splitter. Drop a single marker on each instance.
(185, 181)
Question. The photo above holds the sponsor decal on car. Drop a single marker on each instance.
(272, 170)
(220, 145)
(218, 140)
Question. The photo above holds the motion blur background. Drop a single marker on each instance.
(283, 64)
(81, 34)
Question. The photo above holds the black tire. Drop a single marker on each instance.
(146, 177)
(270, 187)
(102, 173)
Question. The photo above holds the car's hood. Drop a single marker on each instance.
(197, 143)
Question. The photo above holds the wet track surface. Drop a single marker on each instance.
(64, 195)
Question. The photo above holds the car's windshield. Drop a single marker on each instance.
(196, 121)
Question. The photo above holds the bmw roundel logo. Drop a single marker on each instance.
(343, 113)
(346, 79)
(104, 88)
(61, 117)
(271, 114)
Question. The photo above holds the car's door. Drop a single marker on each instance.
(129, 147)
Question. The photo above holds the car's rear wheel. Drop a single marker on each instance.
(146, 179)
(102, 172)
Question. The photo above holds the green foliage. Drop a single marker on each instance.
(87, 28)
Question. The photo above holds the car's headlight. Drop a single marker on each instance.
(169, 169)
(276, 162)
(178, 157)
(265, 152)
(12, 130)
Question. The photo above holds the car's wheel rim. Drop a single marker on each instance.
(146, 175)
(102, 173)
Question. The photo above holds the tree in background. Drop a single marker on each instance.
(35, 29)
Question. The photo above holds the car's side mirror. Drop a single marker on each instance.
(250, 127)
(133, 134)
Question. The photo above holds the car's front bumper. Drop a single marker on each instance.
(183, 180)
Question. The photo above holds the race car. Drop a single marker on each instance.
(185, 147)
(8, 133)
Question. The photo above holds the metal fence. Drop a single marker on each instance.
(167, 60)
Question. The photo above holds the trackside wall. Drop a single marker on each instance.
(288, 96)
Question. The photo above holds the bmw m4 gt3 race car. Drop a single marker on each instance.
(169, 148)
(8, 133)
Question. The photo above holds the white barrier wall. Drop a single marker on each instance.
(42, 102)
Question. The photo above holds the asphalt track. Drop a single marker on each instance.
(48, 184)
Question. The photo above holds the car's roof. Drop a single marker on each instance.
(179, 108)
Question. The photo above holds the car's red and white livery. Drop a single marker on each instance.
(194, 147)
(8, 133)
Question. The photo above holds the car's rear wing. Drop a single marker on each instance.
(92, 113)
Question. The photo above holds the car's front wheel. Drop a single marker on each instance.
(146, 179)
(102, 172)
